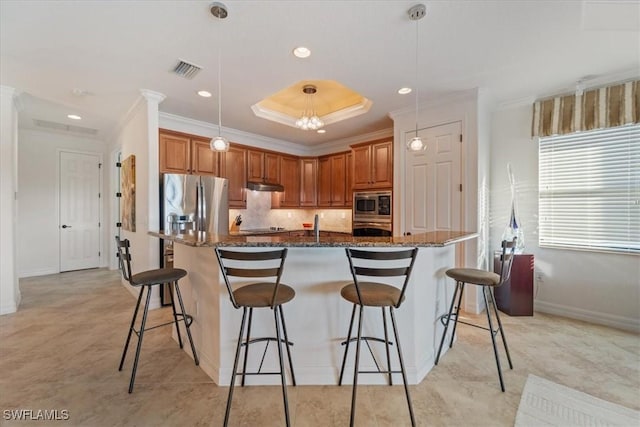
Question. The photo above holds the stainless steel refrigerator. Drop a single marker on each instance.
(191, 203)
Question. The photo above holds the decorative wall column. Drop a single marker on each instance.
(9, 289)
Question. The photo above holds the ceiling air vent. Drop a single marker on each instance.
(65, 128)
(186, 69)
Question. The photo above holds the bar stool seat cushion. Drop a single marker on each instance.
(158, 276)
(260, 294)
(373, 294)
(474, 276)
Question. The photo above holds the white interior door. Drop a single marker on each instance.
(433, 180)
(79, 211)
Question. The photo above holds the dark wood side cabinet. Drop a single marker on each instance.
(515, 296)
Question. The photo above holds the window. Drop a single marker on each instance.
(589, 190)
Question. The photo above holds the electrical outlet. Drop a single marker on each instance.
(343, 215)
(321, 214)
(288, 214)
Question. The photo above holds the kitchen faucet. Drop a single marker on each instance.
(316, 227)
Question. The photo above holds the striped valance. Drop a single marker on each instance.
(604, 107)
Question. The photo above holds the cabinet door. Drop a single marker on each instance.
(324, 181)
(271, 169)
(338, 180)
(348, 180)
(255, 166)
(382, 164)
(174, 153)
(204, 161)
(290, 180)
(308, 177)
(234, 167)
(361, 166)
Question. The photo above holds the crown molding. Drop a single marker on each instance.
(151, 95)
(233, 135)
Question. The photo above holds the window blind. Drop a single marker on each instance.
(589, 190)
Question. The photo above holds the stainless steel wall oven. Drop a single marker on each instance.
(372, 213)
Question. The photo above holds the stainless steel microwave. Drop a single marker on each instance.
(372, 206)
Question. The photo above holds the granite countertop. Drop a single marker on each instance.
(429, 239)
(260, 231)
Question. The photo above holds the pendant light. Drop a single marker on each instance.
(219, 143)
(416, 13)
(309, 118)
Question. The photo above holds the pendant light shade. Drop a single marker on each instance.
(219, 143)
(416, 13)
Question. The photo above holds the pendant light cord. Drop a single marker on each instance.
(219, 79)
(416, 71)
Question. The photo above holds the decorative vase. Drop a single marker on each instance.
(514, 227)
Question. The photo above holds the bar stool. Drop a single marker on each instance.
(147, 280)
(273, 295)
(488, 280)
(374, 294)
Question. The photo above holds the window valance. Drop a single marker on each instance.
(598, 108)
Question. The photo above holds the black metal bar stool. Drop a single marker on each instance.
(271, 294)
(488, 280)
(147, 280)
(374, 294)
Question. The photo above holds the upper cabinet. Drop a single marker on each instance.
(233, 166)
(332, 181)
(290, 180)
(308, 182)
(372, 165)
(263, 166)
(187, 154)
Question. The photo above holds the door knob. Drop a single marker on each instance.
(66, 226)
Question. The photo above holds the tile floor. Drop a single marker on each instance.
(62, 348)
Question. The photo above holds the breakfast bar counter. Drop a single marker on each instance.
(317, 318)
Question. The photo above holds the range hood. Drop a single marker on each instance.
(262, 186)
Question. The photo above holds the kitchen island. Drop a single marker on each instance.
(318, 318)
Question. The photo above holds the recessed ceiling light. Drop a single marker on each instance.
(404, 90)
(74, 117)
(302, 52)
(204, 94)
(322, 131)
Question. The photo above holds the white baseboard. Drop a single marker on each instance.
(619, 322)
(39, 272)
(8, 308)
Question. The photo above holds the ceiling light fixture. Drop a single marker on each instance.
(416, 13)
(309, 119)
(204, 93)
(74, 117)
(219, 143)
(404, 90)
(302, 52)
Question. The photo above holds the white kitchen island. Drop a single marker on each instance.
(317, 319)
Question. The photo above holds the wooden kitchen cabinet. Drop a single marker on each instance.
(263, 166)
(372, 165)
(186, 154)
(348, 203)
(308, 182)
(290, 180)
(233, 166)
(332, 180)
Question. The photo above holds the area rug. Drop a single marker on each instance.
(545, 403)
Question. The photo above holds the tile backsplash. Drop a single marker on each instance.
(259, 214)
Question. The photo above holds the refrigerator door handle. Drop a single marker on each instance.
(198, 206)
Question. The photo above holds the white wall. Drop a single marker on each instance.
(138, 136)
(9, 289)
(38, 246)
(597, 287)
